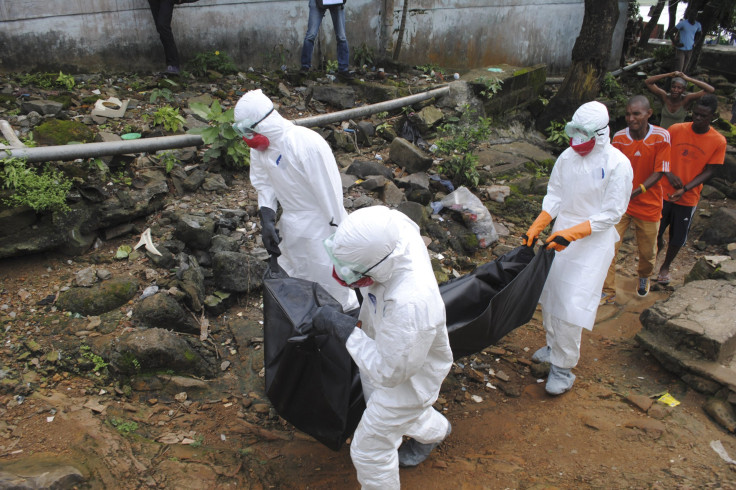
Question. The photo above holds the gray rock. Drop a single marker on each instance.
(721, 227)
(222, 243)
(363, 202)
(37, 474)
(192, 283)
(498, 193)
(407, 156)
(214, 182)
(100, 298)
(347, 181)
(205, 99)
(239, 272)
(166, 260)
(155, 349)
(163, 311)
(366, 168)
(43, 107)
(419, 214)
(86, 277)
(192, 182)
(413, 181)
(427, 118)
(694, 331)
(421, 196)
(105, 137)
(374, 182)
(341, 97)
(392, 195)
(365, 131)
(195, 231)
(461, 98)
(343, 141)
(711, 193)
(104, 274)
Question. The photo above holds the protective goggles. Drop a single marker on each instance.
(579, 132)
(246, 127)
(348, 272)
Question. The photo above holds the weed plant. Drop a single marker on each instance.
(169, 118)
(212, 60)
(40, 190)
(457, 142)
(225, 144)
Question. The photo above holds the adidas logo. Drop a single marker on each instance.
(637, 154)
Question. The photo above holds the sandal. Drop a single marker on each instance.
(663, 280)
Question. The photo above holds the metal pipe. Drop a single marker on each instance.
(91, 150)
(366, 110)
(616, 73)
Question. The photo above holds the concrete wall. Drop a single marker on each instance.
(93, 35)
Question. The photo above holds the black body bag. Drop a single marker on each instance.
(313, 382)
(497, 297)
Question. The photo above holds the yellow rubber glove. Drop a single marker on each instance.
(533, 232)
(569, 235)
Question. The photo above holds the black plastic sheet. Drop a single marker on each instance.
(497, 297)
(312, 381)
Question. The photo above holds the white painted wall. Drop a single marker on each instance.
(112, 35)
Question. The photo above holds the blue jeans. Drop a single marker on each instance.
(338, 22)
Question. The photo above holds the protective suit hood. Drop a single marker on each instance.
(370, 234)
(253, 106)
(594, 116)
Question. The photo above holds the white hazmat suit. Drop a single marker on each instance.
(594, 188)
(298, 171)
(402, 348)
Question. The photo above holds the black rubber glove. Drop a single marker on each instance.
(271, 237)
(329, 321)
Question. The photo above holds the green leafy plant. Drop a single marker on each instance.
(225, 144)
(212, 60)
(86, 353)
(556, 133)
(331, 66)
(29, 141)
(66, 81)
(461, 169)
(41, 80)
(44, 190)
(429, 68)
(382, 114)
(491, 86)
(458, 140)
(159, 93)
(169, 118)
(98, 164)
(125, 427)
(198, 441)
(168, 160)
(364, 55)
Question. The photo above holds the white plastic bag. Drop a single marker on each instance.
(475, 215)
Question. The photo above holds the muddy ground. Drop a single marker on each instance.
(227, 436)
(516, 437)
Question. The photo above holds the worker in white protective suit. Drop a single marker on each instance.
(399, 344)
(587, 194)
(293, 166)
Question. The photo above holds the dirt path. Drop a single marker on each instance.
(517, 437)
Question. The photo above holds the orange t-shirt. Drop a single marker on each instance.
(691, 152)
(649, 155)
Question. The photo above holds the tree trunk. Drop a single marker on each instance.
(402, 27)
(672, 11)
(647, 32)
(590, 57)
(709, 22)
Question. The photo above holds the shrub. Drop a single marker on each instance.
(42, 191)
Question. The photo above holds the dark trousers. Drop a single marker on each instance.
(162, 11)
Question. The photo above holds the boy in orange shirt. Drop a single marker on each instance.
(696, 150)
(648, 149)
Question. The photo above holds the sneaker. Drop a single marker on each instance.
(345, 76)
(643, 288)
(172, 69)
(607, 299)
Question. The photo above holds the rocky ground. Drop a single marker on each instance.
(75, 414)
